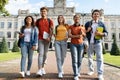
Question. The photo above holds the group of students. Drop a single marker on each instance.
(41, 33)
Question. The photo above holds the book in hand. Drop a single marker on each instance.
(45, 35)
(99, 29)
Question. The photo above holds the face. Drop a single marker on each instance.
(77, 19)
(61, 19)
(43, 12)
(28, 20)
(96, 15)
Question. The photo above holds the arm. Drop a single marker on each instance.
(73, 36)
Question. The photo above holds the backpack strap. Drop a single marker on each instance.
(56, 29)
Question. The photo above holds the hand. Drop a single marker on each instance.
(48, 39)
(89, 29)
(33, 47)
(21, 35)
(98, 33)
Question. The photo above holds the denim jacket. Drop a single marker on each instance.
(33, 39)
(88, 34)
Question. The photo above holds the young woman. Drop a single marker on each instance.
(29, 39)
(76, 33)
(61, 44)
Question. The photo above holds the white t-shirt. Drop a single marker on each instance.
(94, 26)
(27, 33)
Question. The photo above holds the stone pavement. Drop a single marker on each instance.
(9, 70)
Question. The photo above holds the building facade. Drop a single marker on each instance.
(10, 24)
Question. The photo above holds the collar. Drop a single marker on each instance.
(95, 21)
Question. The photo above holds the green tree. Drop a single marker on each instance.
(4, 46)
(3, 11)
(15, 47)
(114, 50)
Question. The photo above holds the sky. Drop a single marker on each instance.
(111, 7)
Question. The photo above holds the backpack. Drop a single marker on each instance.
(57, 27)
(19, 40)
(37, 22)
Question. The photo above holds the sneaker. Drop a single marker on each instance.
(39, 72)
(43, 71)
(90, 73)
(28, 73)
(79, 75)
(22, 74)
(100, 77)
(76, 78)
(60, 75)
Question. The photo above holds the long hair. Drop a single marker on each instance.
(62, 17)
(25, 23)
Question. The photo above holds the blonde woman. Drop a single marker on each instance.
(61, 31)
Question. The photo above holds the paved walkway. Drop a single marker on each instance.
(9, 70)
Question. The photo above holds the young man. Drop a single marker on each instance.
(95, 31)
(45, 27)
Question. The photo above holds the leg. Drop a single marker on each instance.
(30, 57)
(58, 55)
(80, 53)
(99, 56)
(46, 47)
(74, 55)
(24, 52)
(90, 57)
(41, 53)
(64, 51)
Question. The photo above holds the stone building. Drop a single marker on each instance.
(10, 24)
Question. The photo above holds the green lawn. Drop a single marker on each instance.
(9, 56)
(115, 60)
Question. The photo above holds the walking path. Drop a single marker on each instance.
(9, 70)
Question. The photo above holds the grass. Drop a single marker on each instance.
(114, 60)
(111, 59)
(9, 56)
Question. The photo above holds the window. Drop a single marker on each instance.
(113, 35)
(1, 34)
(9, 25)
(8, 44)
(15, 35)
(69, 22)
(22, 23)
(106, 46)
(8, 34)
(15, 25)
(1, 24)
(113, 24)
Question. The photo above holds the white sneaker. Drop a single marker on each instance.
(39, 72)
(79, 75)
(60, 75)
(76, 78)
(100, 77)
(90, 73)
(22, 74)
(28, 73)
(43, 71)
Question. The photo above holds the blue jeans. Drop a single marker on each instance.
(99, 57)
(60, 50)
(26, 51)
(76, 54)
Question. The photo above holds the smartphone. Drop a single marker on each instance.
(18, 32)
